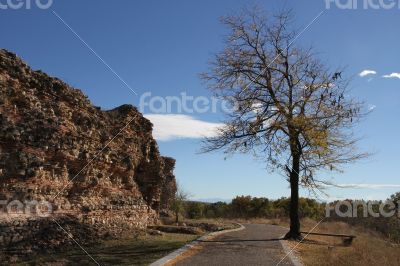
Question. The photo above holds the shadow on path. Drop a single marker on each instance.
(242, 240)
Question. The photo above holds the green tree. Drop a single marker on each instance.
(261, 207)
(241, 206)
(195, 210)
(220, 209)
(395, 198)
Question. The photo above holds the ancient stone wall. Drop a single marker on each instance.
(55, 146)
(169, 187)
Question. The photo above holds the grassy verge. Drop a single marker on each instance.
(369, 248)
(129, 251)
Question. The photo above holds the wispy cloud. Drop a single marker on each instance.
(393, 75)
(367, 72)
(371, 107)
(175, 126)
(366, 186)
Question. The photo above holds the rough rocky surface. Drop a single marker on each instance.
(103, 168)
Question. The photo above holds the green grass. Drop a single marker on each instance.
(141, 251)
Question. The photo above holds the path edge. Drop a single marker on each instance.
(288, 251)
(173, 255)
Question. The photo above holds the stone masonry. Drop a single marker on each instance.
(98, 169)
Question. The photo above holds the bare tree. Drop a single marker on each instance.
(290, 108)
(178, 203)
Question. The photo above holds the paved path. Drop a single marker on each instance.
(257, 244)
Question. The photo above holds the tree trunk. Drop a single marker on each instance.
(176, 217)
(294, 232)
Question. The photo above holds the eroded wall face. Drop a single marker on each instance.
(99, 168)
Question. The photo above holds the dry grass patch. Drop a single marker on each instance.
(190, 252)
(369, 248)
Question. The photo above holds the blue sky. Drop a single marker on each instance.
(161, 46)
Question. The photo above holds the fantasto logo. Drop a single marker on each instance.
(362, 4)
(25, 4)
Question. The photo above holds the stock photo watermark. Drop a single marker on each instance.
(362, 4)
(30, 208)
(25, 4)
(184, 104)
(362, 209)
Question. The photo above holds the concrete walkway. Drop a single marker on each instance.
(257, 244)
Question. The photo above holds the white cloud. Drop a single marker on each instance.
(371, 107)
(367, 72)
(366, 186)
(257, 108)
(175, 126)
(393, 75)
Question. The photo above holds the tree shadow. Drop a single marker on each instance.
(240, 240)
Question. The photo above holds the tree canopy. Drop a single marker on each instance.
(290, 107)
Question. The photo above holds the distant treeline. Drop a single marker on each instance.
(253, 207)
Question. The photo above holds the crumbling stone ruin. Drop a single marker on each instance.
(97, 169)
